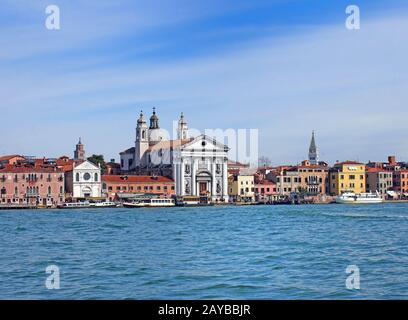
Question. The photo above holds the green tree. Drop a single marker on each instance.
(98, 160)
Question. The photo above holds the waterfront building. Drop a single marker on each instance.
(37, 182)
(83, 181)
(288, 181)
(400, 182)
(197, 165)
(347, 176)
(116, 187)
(380, 180)
(241, 187)
(265, 191)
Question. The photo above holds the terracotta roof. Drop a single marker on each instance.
(369, 169)
(130, 150)
(8, 157)
(348, 162)
(29, 169)
(168, 144)
(136, 179)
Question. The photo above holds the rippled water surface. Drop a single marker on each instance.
(257, 252)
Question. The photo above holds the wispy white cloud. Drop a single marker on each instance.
(349, 86)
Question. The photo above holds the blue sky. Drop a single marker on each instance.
(283, 67)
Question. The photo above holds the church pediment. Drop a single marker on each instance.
(86, 165)
(206, 143)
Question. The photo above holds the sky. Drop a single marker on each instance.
(282, 67)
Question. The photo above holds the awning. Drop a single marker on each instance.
(391, 193)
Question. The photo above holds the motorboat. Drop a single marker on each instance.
(359, 198)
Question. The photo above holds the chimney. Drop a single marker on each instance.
(391, 160)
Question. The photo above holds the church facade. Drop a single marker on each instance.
(197, 165)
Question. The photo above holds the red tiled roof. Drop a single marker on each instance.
(168, 144)
(348, 162)
(369, 169)
(29, 169)
(136, 179)
(8, 157)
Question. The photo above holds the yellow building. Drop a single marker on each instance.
(241, 187)
(347, 176)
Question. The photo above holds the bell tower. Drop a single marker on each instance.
(142, 140)
(182, 129)
(313, 152)
(79, 153)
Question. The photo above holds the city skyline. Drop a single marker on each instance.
(285, 68)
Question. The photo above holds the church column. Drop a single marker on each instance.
(193, 177)
(213, 181)
(183, 187)
(177, 178)
(225, 181)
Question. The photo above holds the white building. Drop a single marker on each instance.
(197, 165)
(84, 181)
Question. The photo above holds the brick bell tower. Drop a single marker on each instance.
(79, 153)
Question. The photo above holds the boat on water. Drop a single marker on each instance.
(359, 198)
(158, 202)
(105, 204)
(74, 205)
(87, 204)
(193, 201)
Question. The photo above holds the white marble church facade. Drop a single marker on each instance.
(198, 165)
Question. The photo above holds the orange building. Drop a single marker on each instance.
(112, 185)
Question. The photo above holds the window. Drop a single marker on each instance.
(77, 177)
(87, 176)
(49, 190)
(96, 177)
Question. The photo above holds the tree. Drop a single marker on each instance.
(98, 159)
(264, 161)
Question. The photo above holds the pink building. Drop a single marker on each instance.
(265, 191)
(31, 182)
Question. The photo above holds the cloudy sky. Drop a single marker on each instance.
(285, 67)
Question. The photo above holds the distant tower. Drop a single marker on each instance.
(79, 153)
(142, 140)
(313, 152)
(182, 130)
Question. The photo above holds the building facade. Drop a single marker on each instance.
(347, 176)
(400, 182)
(113, 186)
(379, 180)
(31, 183)
(84, 181)
(197, 165)
(241, 187)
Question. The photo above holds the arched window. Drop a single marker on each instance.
(77, 177)
(61, 190)
(143, 134)
(96, 177)
(49, 190)
(16, 191)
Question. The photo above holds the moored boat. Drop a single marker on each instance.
(74, 205)
(154, 202)
(359, 198)
(106, 204)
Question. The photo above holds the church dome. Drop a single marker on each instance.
(157, 135)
